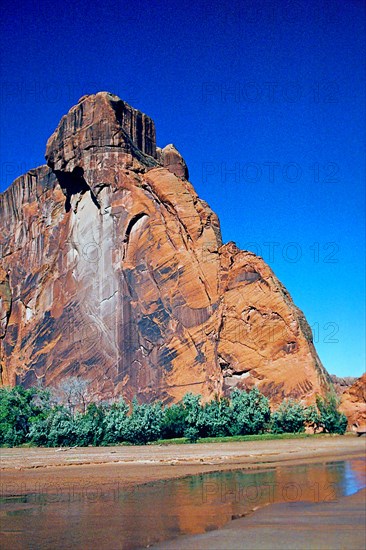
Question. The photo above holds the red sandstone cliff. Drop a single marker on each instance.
(113, 269)
(353, 403)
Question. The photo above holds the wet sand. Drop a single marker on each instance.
(24, 469)
(337, 525)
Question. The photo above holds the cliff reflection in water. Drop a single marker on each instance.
(110, 517)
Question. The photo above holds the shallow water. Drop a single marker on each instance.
(115, 518)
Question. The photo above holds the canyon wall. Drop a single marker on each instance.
(114, 270)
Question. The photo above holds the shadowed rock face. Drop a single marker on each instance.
(127, 283)
(73, 183)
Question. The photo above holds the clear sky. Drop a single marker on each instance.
(264, 99)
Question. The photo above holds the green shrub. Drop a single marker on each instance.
(27, 415)
(331, 420)
(312, 417)
(39, 431)
(55, 430)
(289, 417)
(214, 418)
(18, 408)
(250, 412)
(192, 434)
(192, 406)
(173, 421)
(115, 423)
(144, 423)
(88, 427)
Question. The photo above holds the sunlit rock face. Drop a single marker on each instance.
(353, 404)
(113, 270)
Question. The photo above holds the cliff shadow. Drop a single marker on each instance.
(73, 183)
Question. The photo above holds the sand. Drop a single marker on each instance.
(22, 469)
(294, 525)
(285, 526)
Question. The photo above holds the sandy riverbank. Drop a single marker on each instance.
(24, 469)
(288, 526)
(101, 497)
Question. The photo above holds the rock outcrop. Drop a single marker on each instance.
(353, 403)
(113, 269)
(171, 159)
(341, 384)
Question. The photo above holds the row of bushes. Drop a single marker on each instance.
(30, 415)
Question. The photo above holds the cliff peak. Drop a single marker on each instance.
(100, 122)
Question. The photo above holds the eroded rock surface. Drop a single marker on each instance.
(113, 269)
(353, 403)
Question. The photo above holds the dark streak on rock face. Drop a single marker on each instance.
(45, 331)
(166, 357)
(149, 329)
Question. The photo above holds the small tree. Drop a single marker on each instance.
(144, 422)
(312, 418)
(289, 417)
(214, 418)
(192, 434)
(250, 412)
(173, 421)
(115, 422)
(62, 428)
(18, 408)
(89, 426)
(331, 420)
(73, 393)
(55, 430)
(192, 406)
(39, 431)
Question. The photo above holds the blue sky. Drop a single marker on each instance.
(264, 99)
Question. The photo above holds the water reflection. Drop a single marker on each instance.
(85, 517)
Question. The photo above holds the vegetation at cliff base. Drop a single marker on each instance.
(65, 418)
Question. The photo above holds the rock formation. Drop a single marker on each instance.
(113, 270)
(341, 384)
(353, 403)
